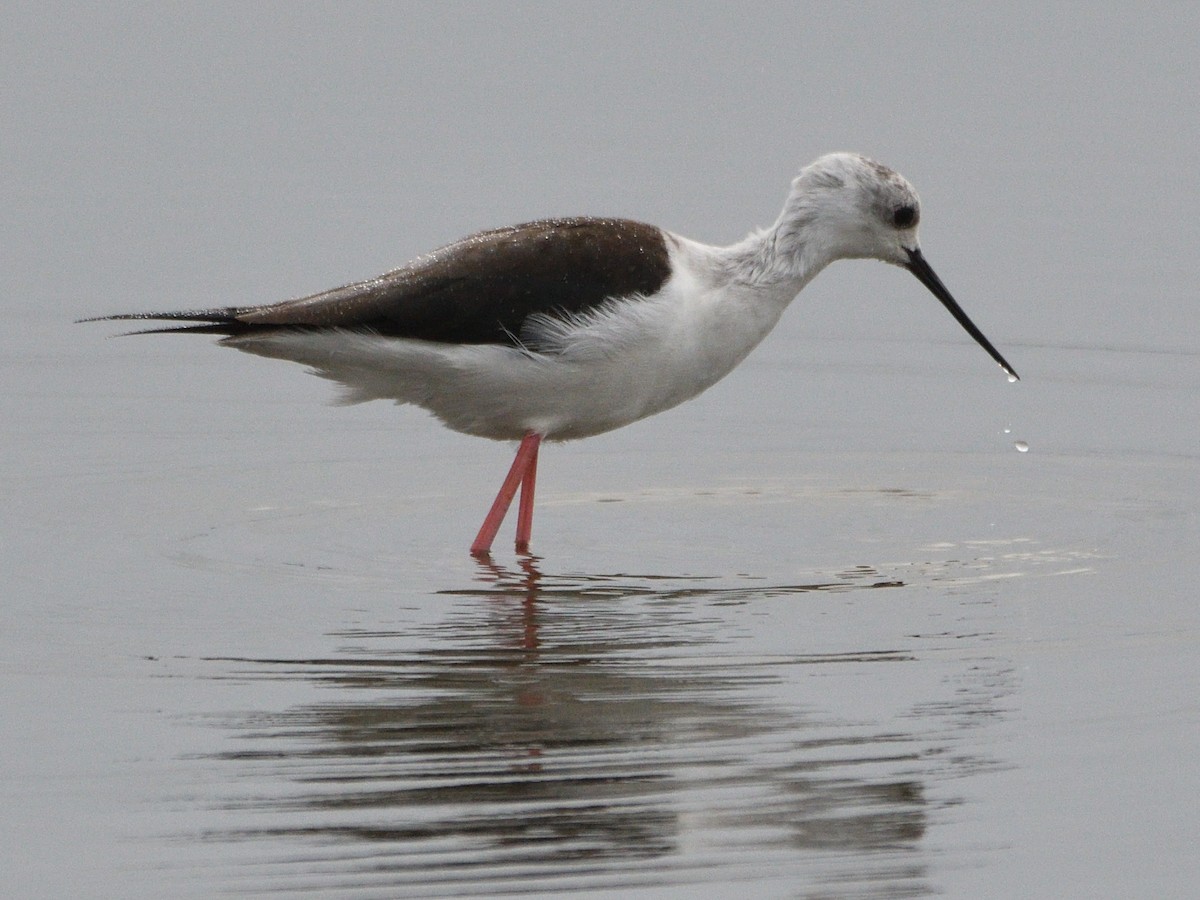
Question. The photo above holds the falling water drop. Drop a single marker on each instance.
(1021, 446)
(1012, 379)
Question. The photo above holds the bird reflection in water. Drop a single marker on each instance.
(523, 584)
(578, 730)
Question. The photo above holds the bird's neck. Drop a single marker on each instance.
(781, 259)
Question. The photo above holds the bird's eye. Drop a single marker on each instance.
(904, 216)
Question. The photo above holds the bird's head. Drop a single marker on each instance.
(845, 206)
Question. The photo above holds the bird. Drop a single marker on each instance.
(565, 328)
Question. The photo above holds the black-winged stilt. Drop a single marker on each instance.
(566, 328)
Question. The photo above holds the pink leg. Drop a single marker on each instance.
(525, 510)
(491, 523)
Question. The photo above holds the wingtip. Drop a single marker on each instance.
(204, 321)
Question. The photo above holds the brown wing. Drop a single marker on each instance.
(478, 290)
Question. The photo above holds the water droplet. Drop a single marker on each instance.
(1021, 446)
(1008, 431)
(1012, 379)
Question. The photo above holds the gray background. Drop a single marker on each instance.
(200, 558)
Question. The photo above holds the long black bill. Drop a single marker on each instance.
(928, 277)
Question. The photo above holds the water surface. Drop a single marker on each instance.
(825, 632)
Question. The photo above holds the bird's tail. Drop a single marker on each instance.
(205, 321)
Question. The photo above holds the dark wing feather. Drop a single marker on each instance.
(478, 290)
